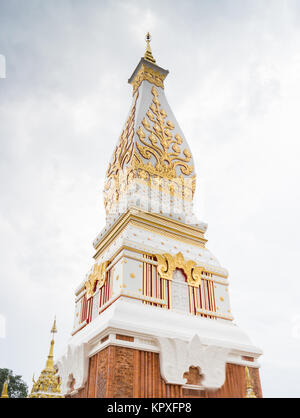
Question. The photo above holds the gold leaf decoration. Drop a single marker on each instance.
(161, 145)
(115, 175)
(147, 73)
(98, 274)
(167, 264)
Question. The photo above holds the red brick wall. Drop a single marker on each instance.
(119, 372)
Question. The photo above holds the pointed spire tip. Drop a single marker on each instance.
(54, 329)
(148, 54)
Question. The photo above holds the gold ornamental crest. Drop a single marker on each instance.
(167, 264)
(98, 275)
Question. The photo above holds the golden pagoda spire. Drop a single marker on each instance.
(4, 393)
(48, 384)
(49, 364)
(249, 388)
(148, 54)
(53, 329)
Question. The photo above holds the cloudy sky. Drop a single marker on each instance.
(234, 86)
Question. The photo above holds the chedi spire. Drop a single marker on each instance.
(152, 167)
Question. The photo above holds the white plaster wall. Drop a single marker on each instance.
(222, 299)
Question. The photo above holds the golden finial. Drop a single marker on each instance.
(148, 54)
(4, 393)
(49, 364)
(54, 329)
(249, 385)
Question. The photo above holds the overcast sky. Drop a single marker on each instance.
(234, 86)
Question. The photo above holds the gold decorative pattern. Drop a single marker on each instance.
(98, 274)
(149, 74)
(167, 264)
(115, 174)
(158, 143)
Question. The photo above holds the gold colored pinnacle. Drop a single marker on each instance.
(54, 329)
(4, 393)
(49, 364)
(148, 54)
(249, 385)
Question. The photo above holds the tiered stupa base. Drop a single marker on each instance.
(121, 372)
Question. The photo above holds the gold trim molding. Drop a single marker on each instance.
(152, 221)
(117, 176)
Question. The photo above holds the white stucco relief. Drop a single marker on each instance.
(74, 363)
(176, 357)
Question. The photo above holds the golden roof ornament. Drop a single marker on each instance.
(249, 385)
(4, 393)
(148, 54)
(54, 329)
(48, 384)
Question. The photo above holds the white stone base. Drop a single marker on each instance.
(182, 340)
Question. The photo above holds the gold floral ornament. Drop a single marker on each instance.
(98, 275)
(116, 175)
(167, 264)
(169, 168)
(160, 143)
(147, 73)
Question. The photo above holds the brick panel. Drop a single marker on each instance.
(120, 372)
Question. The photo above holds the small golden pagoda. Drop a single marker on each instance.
(48, 384)
(4, 393)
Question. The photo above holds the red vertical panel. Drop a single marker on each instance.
(200, 296)
(213, 296)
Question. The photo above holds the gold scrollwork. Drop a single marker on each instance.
(167, 264)
(116, 178)
(98, 274)
(147, 73)
(157, 145)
